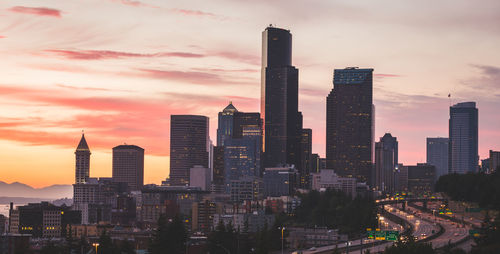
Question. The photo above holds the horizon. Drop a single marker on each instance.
(69, 66)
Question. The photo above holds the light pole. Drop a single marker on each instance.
(95, 245)
(282, 238)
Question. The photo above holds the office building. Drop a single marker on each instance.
(189, 145)
(437, 154)
(200, 177)
(280, 181)
(350, 124)
(463, 133)
(279, 99)
(225, 124)
(327, 179)
(386, 160)
(202, 215)
(304, 169)
(421, 178)
(246, 188)
(256, 221)
(314, 163)
(494, 161)
(218, 175)
(128, 166)
(82, 166)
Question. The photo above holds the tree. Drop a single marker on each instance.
(169, 237)
(106, 244)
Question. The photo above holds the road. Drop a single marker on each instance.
(425, 225)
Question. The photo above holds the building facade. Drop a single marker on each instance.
(421, 178)
(463, 133)
(200, 177)
(128, 166)
(279, 99)
(280, 181)
(225, 124)
(437, 154)
(350, 124)
(327, 179)
(386, 160)
(82, 162)
(189, 146)
(494, 161)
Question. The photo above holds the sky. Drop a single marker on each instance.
(118, 69)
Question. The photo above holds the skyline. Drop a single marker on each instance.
(119, 74)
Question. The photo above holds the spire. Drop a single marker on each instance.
(82, 146)
(230, 108)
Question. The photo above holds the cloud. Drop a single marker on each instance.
(382, 75)
(109, 54)
(185, 76)
(193, 13)
(484, 85)
(134, 3)
(40, 11)
(2, 36)
(245, 58)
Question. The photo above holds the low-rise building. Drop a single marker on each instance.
(253, 222)
(280, 181)
(313, 237)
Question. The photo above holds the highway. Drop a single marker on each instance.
(425, 225)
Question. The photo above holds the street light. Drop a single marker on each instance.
(282, 231)
(95, 245)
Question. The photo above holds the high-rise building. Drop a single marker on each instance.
(315, 163)
(218, 170)
(386, 160)
(494, 161)
(82, 166)
(305, 159)
(279, 99)
(463, 132)
(189, 144)
(350, 124)
(128, 166)
(225, 124)
(437, 154)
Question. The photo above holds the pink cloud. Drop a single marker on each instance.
(188, 76)
(108, 54)
(193, 12)
(40, 11)
(2, 36)
(134, 3)
(246, 58)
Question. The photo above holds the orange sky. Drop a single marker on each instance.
(119, 68)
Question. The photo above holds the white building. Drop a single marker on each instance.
(200, 176)
(327, 179)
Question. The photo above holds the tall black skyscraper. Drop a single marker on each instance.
(463, 147)
(386, 161)
(82, 167)
(350, 124)
(189, 144)
(279, 99)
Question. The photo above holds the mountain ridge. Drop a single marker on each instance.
(18, 189)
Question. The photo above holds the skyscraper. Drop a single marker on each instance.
(128, 166)
(279, 99)
(463, 132)
(225, 124)
(494, 161)
(82, 167)
(437, 155)
(350, 124)
(305, 159)
(386, 160)
(242, 152)
(189, 143)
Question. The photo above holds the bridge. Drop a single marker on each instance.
(405, 201)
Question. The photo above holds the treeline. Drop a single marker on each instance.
(334, 209)
(479, 188)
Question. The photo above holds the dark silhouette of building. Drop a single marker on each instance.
(350, 124)
(421, 178)
(225, 124)
(304, 169)
(128, 166)
(189, 144)
(315, 163)
(279, 99)
(494, 161)
(463, 133)
(82, 166)
(218, 172)
(386, 161)
(437, 154)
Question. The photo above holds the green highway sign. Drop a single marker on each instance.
(382, 235)
(391, 235)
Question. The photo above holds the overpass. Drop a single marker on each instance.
(405, 201)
